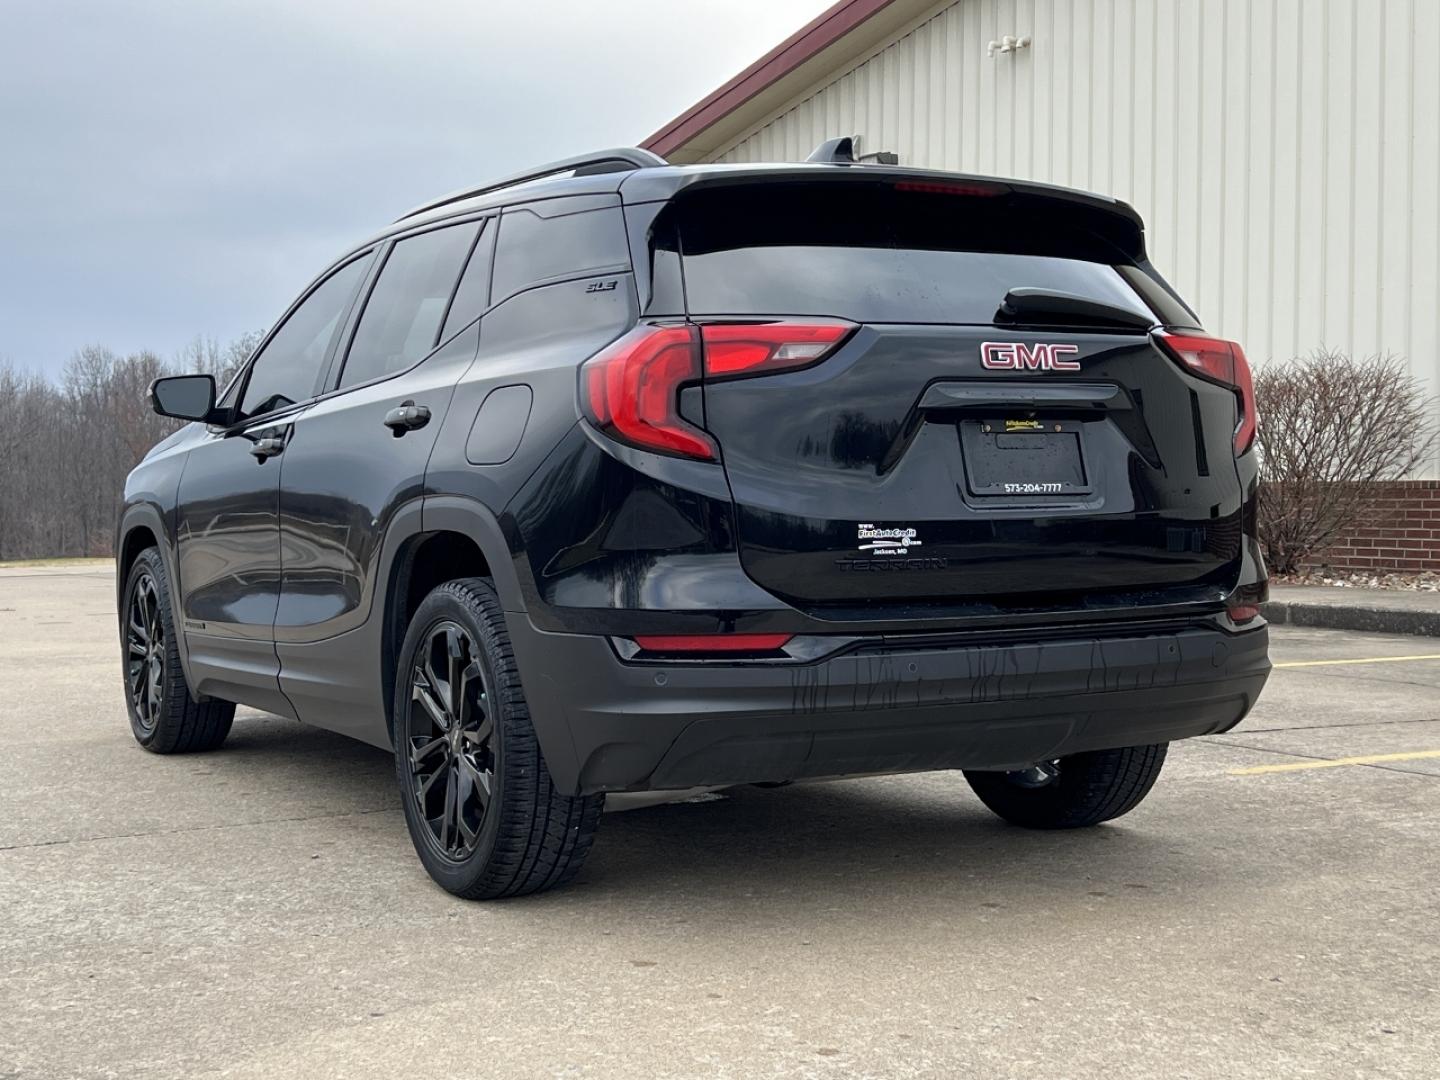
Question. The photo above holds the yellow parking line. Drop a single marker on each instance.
(1367, 660)
(1333, 763)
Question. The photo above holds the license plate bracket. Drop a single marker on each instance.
(1024, 458)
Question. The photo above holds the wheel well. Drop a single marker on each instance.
(136, 540)
(427, 560)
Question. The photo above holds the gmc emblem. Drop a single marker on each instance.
(1017, 356)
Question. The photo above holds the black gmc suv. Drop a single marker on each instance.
(618, 476)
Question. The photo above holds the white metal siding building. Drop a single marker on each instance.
(1285, 154)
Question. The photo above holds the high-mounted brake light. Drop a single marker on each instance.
(631, 390)
(977, 189)
(1223, 362)
(711, 643)
(733, 349)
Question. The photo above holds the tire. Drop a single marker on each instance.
(524, 837)
(1088, 789)
(165, 717)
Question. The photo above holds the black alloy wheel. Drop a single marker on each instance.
(450, 739)
(145, 652)
(480, 804)
(165, 717)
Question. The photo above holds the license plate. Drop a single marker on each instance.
(1024, 457)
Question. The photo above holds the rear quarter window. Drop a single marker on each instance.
(545, 243)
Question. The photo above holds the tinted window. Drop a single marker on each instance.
(289, 366)
(534, 248)
(402, 317)
(1167, 307)
(472, 296)
(875, 254)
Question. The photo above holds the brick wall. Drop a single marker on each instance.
(1404, 533)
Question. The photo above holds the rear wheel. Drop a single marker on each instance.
(164, 717)
(1072, 792)
(481, 808)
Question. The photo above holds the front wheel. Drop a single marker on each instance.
(481, 808)
(1072, 792)
(164, 717)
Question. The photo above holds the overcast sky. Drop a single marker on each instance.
(176, 168)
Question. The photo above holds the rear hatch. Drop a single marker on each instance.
(995, 420)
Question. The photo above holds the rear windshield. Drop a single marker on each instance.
(870, 252)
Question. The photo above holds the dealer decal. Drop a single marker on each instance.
(887, 541)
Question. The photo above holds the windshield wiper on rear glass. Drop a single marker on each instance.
(1027, 306)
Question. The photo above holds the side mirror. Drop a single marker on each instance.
(185, 397)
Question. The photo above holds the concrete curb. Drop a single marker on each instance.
(1342, 617)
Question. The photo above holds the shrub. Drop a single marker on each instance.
(1330, 428)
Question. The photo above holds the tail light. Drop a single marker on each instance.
(1222, 362)
(734, 349)
(631, 389)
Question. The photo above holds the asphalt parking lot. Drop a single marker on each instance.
(1269, 911)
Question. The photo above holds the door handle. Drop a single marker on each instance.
(407, 416)
(267, 448)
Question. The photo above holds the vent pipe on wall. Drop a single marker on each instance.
(1007, 44)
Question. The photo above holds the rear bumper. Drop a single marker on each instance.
(609, 725)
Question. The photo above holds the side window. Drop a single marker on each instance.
(472, 295)
(532, 248)
(402, 317)
(288, 367)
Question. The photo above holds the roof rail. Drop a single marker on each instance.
(621, 159)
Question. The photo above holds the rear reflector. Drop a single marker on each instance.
(1223, 362)
(711, 643)
(631, 391)
(1244, 604)
(733, 349)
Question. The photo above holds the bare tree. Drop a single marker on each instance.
(206, 355)
(1330, 429)
(202, 354)
(66, 448)
(234, 356)
(30, 405)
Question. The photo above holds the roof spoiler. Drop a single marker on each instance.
(1117, 221)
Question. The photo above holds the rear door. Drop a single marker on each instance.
(358, 456)
(945, 451)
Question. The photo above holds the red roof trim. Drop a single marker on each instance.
(819, 34)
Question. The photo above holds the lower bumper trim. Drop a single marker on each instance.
(608, 725)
